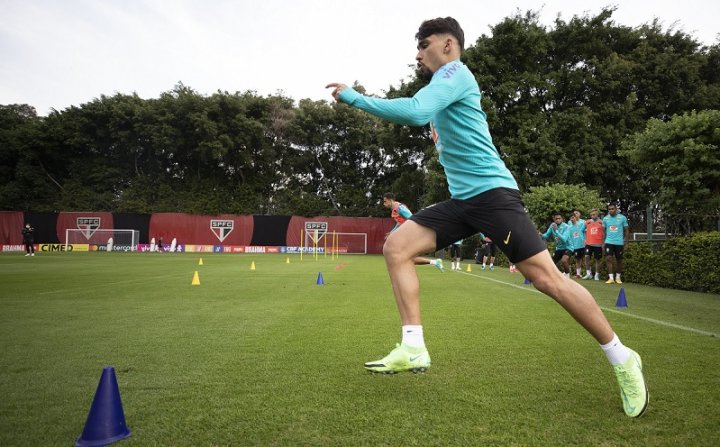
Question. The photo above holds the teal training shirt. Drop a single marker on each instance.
(577, 234)
(615, 229)
(561, 236)
(563, 241)
(451, 104)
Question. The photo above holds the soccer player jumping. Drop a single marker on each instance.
(485, 198)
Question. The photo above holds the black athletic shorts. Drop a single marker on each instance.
(490, 249)
(579, 253)
(558, 255)
(614, 250)
(454, 251)
(498, 213)
(593, 250)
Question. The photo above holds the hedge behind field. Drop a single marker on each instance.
(686, 263)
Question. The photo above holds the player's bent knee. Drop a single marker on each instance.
(543, 284)
(550, 285)
(394, 252)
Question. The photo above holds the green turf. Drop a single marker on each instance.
(268, 357)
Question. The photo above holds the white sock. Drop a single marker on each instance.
(412, 335)
(616, 352)
(611, 276)
(589, 272)
(617, 275)
(578, 271)
(491, 264)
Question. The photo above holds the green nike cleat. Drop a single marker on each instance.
(633, 390)
(402, 358)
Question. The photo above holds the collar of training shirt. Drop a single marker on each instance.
(448, 70)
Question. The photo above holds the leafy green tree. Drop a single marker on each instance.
(339, 158)
(436, 186)
(542, 201)
(21, 174)
(681, 167)
(560, 100)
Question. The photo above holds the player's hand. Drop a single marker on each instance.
(337, 89)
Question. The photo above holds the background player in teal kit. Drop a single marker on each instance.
(484, 197)
(616, 238)
(558, 233)
(576, 228)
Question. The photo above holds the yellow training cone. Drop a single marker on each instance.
(200, 262)
(196, 279)
(287, 260)
(252, 265)
(469, 269)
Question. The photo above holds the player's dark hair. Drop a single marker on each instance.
(389, 195)
(442, 25)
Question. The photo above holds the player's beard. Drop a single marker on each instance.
(424, 73)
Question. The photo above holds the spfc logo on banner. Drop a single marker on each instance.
(316, 230)
(221, 227)
(88, 225)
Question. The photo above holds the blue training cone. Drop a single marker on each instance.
(622, 300)
(106, 421)
(527, 281)
(320, 280)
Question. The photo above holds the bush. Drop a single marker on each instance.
(686, 263)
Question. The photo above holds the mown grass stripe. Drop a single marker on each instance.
(607, 309)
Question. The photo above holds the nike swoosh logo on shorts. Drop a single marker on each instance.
(507, 239)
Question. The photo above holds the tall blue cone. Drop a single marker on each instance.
(320, 280)
(106, 421)
(622, 300)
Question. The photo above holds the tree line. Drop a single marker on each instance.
(628, 113)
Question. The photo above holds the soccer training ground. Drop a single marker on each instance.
(270, 357)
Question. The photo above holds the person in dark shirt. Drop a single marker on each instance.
(28, 240)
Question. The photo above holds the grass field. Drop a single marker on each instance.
(268, 357)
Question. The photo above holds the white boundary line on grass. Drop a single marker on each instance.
(615, 311)
(662, 323)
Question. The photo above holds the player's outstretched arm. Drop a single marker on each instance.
(415, 111)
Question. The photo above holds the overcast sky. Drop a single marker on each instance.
(58, 53)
